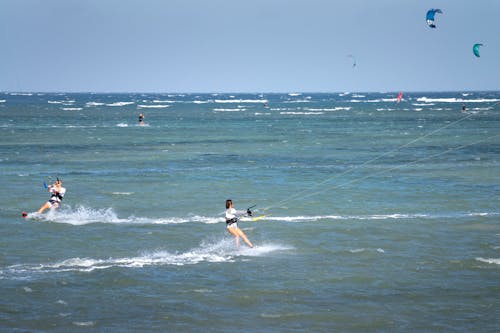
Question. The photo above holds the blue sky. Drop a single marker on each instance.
(247, 45)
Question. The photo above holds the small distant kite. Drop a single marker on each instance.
(475, 49)
(353, 60)
(430, 17)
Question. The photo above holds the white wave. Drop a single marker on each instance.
(395, 216)
(441, 109)
(55, 102)
(89, 104)
(229, 110)
(358, 96)
(299, 101)
(423, 104)
(338, 108)
(300, 113)
(202, 102)
(79, 216)
(122, 193)
(480, 214)
(163, 101)
(456, 100)
(20, 94)
(121, 125)
(294, 94)
(374, 100)
(157, 106)
(482, 109)
(83, 215)
(71, 109)
(241, 101)
(188, 219)
(3, 100)
(120, 103)
(495, 261)
(216, 252)
(360, 250)
(344, 93)
(84, 323)
(262, 113)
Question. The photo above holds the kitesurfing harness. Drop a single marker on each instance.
(56, 197)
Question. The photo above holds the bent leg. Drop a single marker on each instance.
(45, 206)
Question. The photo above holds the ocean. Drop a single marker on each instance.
(372, 215)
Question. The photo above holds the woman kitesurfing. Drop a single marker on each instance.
(232, 216)
(56, 195)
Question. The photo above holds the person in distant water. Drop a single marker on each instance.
(464, 109)
(56, 195)
(141, 119)
(232, 222)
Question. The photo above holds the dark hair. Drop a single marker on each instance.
(229, 202)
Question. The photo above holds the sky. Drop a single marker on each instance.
(247, 46)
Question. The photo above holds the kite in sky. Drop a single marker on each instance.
(430, 17)
(475, 49)
(353, 59)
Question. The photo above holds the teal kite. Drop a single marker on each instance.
(475, 49)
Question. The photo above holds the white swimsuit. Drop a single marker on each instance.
(232, 217)
(56, 196)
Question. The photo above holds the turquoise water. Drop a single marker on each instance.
(379, 216)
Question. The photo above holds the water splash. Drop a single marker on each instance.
(219, 251)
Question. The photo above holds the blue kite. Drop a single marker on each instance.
(430, 17)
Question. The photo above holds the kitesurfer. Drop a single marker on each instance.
(57, 193)
(141, 119)
(400, 96)
(232, 222)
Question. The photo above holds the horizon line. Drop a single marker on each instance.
(241, 92)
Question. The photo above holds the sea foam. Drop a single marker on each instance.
(218, 251)
(495, 261)
(456, 100)
(82, 215)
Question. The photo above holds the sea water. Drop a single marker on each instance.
(374, 215)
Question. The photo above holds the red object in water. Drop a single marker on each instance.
(400, 96)
(24, 214)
